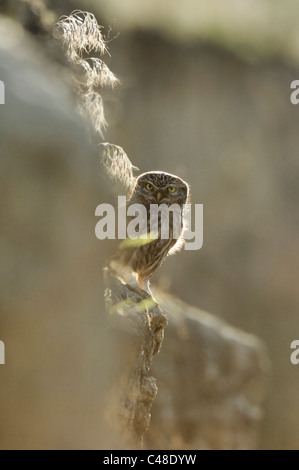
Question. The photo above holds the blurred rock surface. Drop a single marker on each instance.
(211, 379)
(60, 358)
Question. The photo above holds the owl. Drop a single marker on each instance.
(137, 262)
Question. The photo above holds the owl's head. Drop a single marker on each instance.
(158, 187)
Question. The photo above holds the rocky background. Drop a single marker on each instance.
(214, 107)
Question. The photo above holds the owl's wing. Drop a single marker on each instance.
(177, 246)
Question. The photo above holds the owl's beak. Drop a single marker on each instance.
(158, 196)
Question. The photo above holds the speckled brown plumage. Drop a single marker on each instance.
(153, 188)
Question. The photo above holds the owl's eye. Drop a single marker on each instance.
(171, 189)
(149, 186)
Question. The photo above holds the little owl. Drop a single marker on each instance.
(137, 262)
